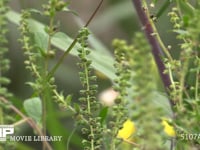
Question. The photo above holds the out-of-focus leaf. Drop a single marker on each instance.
(56, 127)
(41, 40)
(181, 31)
(62, 41)
(94, 41)
(163, 8)
(35, 11)
(103, 113)
(33, 108)
(161, 101)
(68, 99)
(185, 7)
(113, 14)
(70, 11)
(101, 61)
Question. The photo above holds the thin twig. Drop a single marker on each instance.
(131, 142)
(53, 70)
(30, 121)
(70, 136)
(20, 122)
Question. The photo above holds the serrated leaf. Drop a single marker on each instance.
(33, 108)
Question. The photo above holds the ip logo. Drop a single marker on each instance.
(5, 130)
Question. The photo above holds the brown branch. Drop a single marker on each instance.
(156, 49)
(30, 121)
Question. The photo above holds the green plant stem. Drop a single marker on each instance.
(92, 140)
(182, 80)
(70, 136)
(44, 99)
(49, 42)
(55, 92)
(53, 70)
(1, 116)
(44, 117)
(162, 45)
(131, 142)
(18, 123)
(197, 85)
(113, 144)
(88, 88)
(88, 103)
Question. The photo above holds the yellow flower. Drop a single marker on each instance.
(168, 129)
(127, 130)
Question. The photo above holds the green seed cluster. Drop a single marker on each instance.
(5, 115)
(122, 84)
(89, 105)
(4, 62)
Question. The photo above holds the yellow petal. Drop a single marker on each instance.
(127, 130)
(168, 129)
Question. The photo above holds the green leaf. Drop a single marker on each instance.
(163, 8)
(32, 10)
(68, 99)
(33, 108)
(161, 101)
(103, 113)
(70, 11)
(185, 7)
(182, 32)
(101, 61)
(41, 40)
(62, 41)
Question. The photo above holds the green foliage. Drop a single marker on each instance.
(186, 82)
(89, 104)
(132, 71)
(144, 110)
(122, 83)
(133, 74)
(62, 41)
(5, 63)
(4, 67)
(33, 108)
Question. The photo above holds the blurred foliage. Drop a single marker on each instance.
(45, 80)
